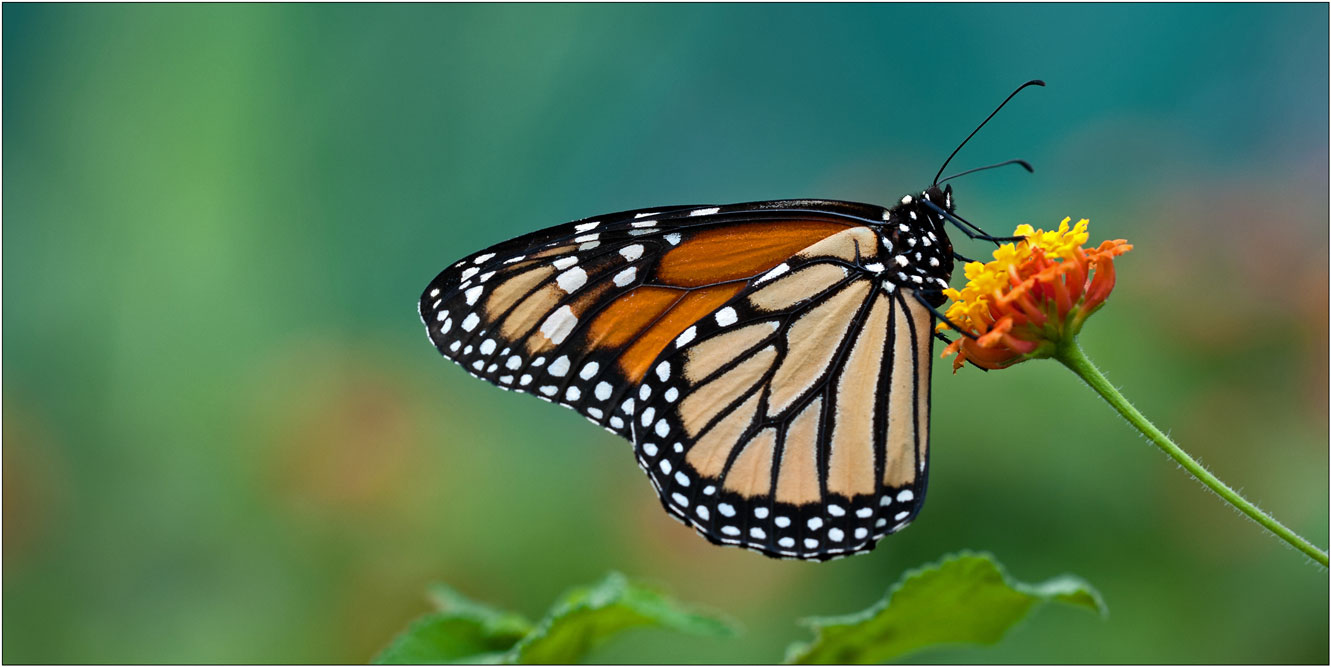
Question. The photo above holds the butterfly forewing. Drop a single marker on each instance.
(576, 313)
(768, 360)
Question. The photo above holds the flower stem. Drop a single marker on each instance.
(1072, 356)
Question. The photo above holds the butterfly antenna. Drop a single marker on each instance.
(1024, 165)
(1032, 82)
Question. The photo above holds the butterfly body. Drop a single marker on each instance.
(769, 361)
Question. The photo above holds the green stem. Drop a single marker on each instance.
(1072, 356)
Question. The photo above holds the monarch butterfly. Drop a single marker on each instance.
(769, 361)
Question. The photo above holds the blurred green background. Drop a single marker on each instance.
(226, 438)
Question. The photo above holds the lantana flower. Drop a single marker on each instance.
(1031, 301)
(1034, 294)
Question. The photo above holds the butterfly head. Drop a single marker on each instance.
(942, 196)
(918, 249)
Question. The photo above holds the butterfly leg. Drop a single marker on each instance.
(966, 226)
(938, 314)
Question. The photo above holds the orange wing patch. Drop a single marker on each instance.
(651, 317)
(740, 251)
(628, 315)
(690, 309)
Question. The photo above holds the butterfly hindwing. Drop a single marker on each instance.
(794, 421)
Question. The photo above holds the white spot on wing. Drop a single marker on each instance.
(586, 226)
(559, 367)
(572, 279)
(471, 321)
(565, 262)
(686, 337)
(726, 316)
(780, 269)
(631, 252)
(558, 325)
(473, 294)
(673, 239)
(589, 370)
(703, 211)
(626, 276)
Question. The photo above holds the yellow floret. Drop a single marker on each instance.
(971, 304)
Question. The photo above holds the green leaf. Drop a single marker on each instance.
(460, 631)
(465, 631)
(586, 617)
(965, 598)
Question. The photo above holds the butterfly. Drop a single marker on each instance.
(769, 361)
